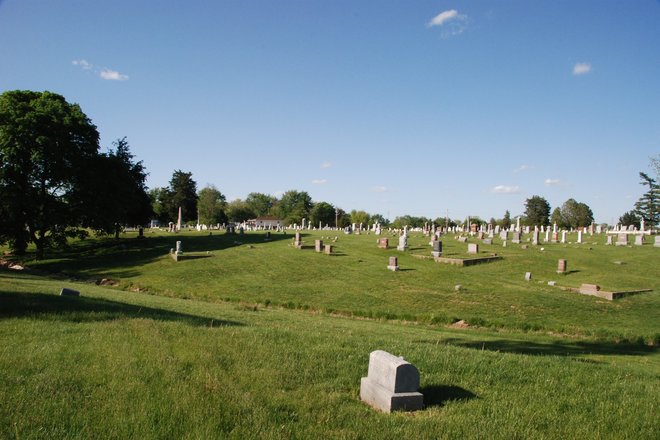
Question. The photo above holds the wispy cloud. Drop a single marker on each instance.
(378, 189)
(552, 182)
(451, 21)
(326, 165)
(112, 75)
(581, 68)
(444, 17)
(104, 73)
(82, 63)
(319, 181)
(522, 168)
(504, 189)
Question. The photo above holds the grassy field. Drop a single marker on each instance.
(355, 282)
(117, 364)
(247, 338)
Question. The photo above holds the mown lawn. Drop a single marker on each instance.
(120, 364)
(355, 282)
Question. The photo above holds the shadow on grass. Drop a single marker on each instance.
(98, 256)
(439, 395)
(554, 349)
(84, 309)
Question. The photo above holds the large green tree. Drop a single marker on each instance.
(537, 211)
(182, 193)
(648, 206)
(323, 213)
(45, 144)
(294, 206)
(360, 217)
(630, 219)
(239, 211)
(261, 204)
(122, 183)
(576, 214)
(211, 204)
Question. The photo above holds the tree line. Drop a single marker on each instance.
(55, 184)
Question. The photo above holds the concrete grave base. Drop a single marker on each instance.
(381, 398)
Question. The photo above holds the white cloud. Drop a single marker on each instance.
(552, 182)
(378, 189)
(522, 168)
(504, 189)
(326, 165)
(581, 68)
(444, 17)
(319, 181)
(112, 75)
(82, 63)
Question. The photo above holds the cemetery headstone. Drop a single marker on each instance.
(328, 249)
(622, 239)
(393, 264)
(579, 239)
(535, 237)
(318, 245)
(657, 241)
(297, 241)
(639, 240)
(473, 248)
(609, 240)
(488, 241)
(391, 384)
(561, 266)
(437, 248)
(383, 243)
(403, 243)
(516, 237)
(528, 276)
(69, 292)
(563, 236)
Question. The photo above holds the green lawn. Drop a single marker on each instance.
(355, 281)
(247, 338)
(119, 364)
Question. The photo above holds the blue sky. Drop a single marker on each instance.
(394, 107)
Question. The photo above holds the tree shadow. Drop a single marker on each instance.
(439, 395)
(555, 348)
(99, 256)
(85, 309)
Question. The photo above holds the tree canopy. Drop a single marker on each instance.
(211, 204)
(294, 206)
(648, 206)
(54, 181)
(323, 213)
(537, 211)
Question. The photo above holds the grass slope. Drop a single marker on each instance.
(116, 364)
(355, 281)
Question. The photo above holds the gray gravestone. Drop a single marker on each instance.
(391, 384)
(69, 292)
(437, 248)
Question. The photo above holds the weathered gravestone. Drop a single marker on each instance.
(488, 241)
(609, 240)
(639, 240)
(393, 264)
(535, 237)
(403, 243)
(473, 248)
(69, 292)
(504, 235)
(328, 249)
(391, 384)
(437, 248)
(297, 241)
(563, 236)
(657, 241)
(579, 239)
(528, 276)
(561, 266)
(318, 245)
(383, 243)
(622, 239)
(516, 237)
